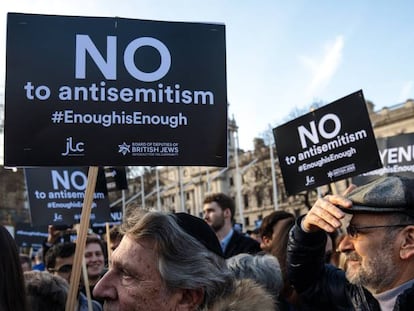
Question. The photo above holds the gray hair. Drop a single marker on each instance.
(183, 262)
(45, 291)
(262, 268)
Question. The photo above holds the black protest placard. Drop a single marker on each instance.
(116, 216)
(116, 178)
(397, 156)
(56, 195)
(95, 91)
(331, 143)
(27, 235)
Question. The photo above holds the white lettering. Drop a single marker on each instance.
(313, 136)
(108, 67)
(144, 76)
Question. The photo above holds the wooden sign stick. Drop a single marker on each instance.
(81, 240)
(108, 244)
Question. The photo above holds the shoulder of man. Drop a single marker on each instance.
(244, 242)
(405, 300)
(241, 237)
(83, 303)
(246, 295)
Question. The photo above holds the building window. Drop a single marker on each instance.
(231, 181)
(258, 175)
(246, 201)
(247, 221)
(259, 198)
(187, 195)
(271, 195)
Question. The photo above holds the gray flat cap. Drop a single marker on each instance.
(388, 194)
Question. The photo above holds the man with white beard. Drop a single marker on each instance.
(379, 249)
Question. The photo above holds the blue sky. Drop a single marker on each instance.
(280, 54)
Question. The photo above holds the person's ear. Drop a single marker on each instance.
(407, 245)
(190, 299)
(266, 240)
(227, 212)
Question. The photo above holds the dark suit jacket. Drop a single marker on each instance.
(240, 243)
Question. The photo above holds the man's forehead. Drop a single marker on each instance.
(211, 206)
(129, 244)
(93, 246)
(367, 218)
(131, 251)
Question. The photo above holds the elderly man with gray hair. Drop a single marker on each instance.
(162, 264)
(378, 247)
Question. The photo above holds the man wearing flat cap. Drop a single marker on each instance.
(378, 246)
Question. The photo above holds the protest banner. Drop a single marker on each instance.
(328, 144)
(116, 178)
(397, 156)
(114, 91)
(28, 236)
(56, 195)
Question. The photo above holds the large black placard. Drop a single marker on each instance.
(331, 143)
(111, 91)
(397, 156)
(56, 195)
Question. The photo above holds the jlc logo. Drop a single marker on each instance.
(73, 149)
(57, 217)
(310, 180)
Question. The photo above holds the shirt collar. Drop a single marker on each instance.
(225, 241)
(387, 299)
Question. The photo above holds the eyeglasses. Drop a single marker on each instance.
(62, 269)
(353, 231)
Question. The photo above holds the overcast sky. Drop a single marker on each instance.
(280, 54)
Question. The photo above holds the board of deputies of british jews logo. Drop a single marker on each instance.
(149, 148)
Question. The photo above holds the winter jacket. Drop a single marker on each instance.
(246, 296)
(83, 304)
(240, 243)
(325, 287)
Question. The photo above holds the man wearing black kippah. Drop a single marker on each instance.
(199, 230)
(219, 212)
(171, 262)
(163, 264)
(378, 247)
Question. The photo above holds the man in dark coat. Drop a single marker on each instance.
(378, 249)
(219, 212)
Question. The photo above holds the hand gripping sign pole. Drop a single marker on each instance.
(81, 240)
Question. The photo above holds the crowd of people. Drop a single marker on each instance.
(349, 252)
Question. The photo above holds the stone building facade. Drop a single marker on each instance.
(255, 197)
(249, 178)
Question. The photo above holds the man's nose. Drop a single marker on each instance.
(105, 288)
(346, 244)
